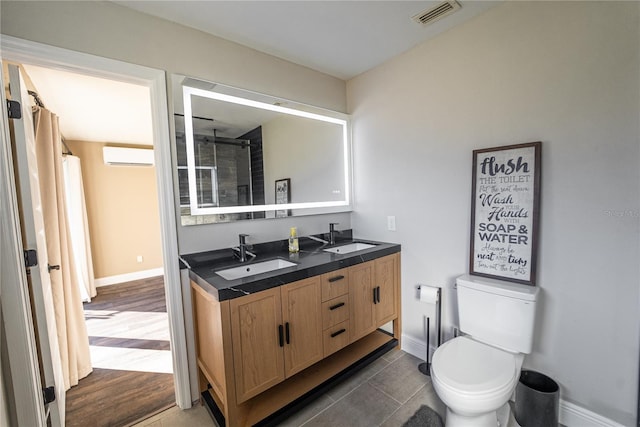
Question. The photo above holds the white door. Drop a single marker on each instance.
(19, 340)
(34, 238)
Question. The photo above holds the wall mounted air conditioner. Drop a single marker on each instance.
(121, 156)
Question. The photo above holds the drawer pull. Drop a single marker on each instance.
(338, 305)
(335, 279)
(341, 331)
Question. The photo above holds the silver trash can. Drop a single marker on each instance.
(537, 400)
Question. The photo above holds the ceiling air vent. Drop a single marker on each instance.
(440, 11)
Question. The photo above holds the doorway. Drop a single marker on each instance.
(28, 52)
(127, 323)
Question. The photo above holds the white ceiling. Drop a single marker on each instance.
(340, 38)
(94, 109)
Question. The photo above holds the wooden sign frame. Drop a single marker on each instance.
(505, 212)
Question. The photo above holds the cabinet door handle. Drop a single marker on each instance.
(338, 305)
(375, 301)
(335, 334)
(378, 294)
(335, 279)
(286, 333)
(280, 335)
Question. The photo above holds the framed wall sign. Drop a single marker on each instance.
(504, 212)
(283, 195)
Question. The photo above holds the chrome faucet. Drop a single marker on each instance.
(332, 232)
(242, 247)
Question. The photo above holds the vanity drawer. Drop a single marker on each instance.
(336, 338)
(335, 284)
(335, 311)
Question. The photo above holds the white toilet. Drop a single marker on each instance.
(475, 374)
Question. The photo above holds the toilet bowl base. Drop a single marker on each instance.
(483, 420)
(504, 414)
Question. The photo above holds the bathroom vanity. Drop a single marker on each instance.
(268, 341)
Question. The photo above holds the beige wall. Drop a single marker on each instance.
(566, 74)
(122, 206)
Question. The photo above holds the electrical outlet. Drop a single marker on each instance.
(391, 223)
(139, 259)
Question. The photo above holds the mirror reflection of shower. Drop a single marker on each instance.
(229, 171)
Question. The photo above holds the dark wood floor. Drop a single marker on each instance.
(114, 397)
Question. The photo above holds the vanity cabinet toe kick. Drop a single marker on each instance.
(258, 353)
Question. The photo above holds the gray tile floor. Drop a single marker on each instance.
(385, 393)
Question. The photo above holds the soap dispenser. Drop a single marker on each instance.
(293, 240)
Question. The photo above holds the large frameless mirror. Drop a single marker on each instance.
(243, 155)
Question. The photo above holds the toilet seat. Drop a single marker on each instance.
(468, 367)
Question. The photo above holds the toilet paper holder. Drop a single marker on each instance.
(433, 295)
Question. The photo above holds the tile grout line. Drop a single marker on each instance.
(386, 394)
(333, 402)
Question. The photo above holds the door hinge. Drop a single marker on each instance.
(30, 258)
(13, 109)
(49, 394)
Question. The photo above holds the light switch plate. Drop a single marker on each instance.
(391, 223)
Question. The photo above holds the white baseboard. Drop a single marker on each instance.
(571, 415)
(414, 347)
(121, 278)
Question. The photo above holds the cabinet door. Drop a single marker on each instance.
(386, 270)
(361, 300)
(302, 316)
(257, 354)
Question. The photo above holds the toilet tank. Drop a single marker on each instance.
(497, 312)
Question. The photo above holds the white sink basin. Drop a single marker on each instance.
(351, 247)
(253, 269)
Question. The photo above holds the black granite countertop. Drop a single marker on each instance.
(311, 261)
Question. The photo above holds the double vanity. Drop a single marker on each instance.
(276, 330)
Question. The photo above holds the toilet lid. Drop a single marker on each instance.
(469, 366)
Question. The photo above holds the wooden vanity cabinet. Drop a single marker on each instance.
(275, 334)
(361, 291)
(302, 317)
(335, 311)
(335, 284)
(259, 352)
(258, 358)
(373, 293)
(387, 272)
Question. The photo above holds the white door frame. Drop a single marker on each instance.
(28, 52)
(20, 337)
